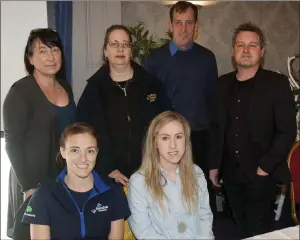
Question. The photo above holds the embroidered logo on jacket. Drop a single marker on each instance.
(151, 97)
(28, 212)
(99, 208)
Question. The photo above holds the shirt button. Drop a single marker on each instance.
(236, 117)
(236, 135)
(236, 151)
(239, 100)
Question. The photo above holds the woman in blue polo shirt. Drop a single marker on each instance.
(79, 204)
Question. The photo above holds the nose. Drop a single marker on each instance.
(83, 157)
(50, 56)
(246, 49)
(184, 27)
(120, 48)
(172, 144)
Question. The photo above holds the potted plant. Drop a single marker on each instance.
(142, 42)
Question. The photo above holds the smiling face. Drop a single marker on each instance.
(118, 50)
(247, 51)
(183, 25)
(46, 60)
(80, 153)
(170, 142)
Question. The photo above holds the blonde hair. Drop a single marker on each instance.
(151, 168)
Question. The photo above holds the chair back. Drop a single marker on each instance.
(294, 165)
(128, 235)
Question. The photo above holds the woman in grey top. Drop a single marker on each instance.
(35, 111)
(168, 195)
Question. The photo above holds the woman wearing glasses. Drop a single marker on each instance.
(36, 110)
(119, 101)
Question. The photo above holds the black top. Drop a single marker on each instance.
(65, 116)
(146, 98)
(122, 114)
(239, 145)
(80, 197)
(271, 119)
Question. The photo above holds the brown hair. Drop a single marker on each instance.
(107, 34)
(249, 27)
(181, 7)
(73, 129)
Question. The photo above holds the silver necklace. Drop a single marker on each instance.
(123, 88)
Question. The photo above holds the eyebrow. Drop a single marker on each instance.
(249, 42)
(74, 147)
(86, 148)
(169, 134)
(118, 41)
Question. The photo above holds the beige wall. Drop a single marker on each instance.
(279, 20)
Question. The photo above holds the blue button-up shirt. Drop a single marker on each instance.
(148, 221)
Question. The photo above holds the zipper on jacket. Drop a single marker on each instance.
(124, 90)
(82, 223)
(126, 109)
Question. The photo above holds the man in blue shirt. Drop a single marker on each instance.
(189, 72)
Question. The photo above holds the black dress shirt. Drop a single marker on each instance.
(239, 148)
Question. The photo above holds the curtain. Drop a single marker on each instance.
(63, 25)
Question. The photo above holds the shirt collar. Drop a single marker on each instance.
(99, 184)
(164, 172)
(173, 48)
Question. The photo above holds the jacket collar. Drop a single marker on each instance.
(99, 184)
(101, 77)
(258, 73)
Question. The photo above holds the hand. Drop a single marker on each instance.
(261, 172)
(213, 176)
(28, 193)
(119, 177)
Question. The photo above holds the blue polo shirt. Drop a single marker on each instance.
(53, 204)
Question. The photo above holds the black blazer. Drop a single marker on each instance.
(154, 100)
(272, 119)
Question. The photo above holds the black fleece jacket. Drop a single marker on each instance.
(90, 109)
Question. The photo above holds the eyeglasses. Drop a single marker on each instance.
(116, 44)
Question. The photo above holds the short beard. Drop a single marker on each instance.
(245, 65)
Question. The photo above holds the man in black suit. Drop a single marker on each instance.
(252, 130)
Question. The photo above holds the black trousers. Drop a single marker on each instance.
(252, 205)
(200, 144)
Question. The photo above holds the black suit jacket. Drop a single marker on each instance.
(272, 122)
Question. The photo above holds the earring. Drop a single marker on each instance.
(106, 58)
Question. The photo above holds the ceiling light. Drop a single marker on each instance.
(199, 3)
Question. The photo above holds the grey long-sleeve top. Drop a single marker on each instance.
(147, 221)
(31, 132)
